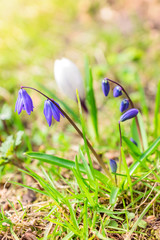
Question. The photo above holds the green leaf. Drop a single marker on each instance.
(113, 195)
(19, 137)
(61, 162)
(113, 223)
(7, 146)
(84, 137)
(132, 147)
(143, 131)
(142, 224)
(157, 113)
(130, 215)
(142, 94)
(91, 103)
(127, 172)
(145, 155)
(6, 112)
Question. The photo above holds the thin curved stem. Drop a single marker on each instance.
(132, 105)
(100, 161)
(120, 136)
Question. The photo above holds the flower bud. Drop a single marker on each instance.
(117, 91)
(68, 78)
(105, 87)
(24, 102)
(124, 105)
(132, 140)
(129, 114)
(113, 165)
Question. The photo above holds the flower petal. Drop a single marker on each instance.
(55, 111)
(124, 105)
(19, 103)
(48, 112)
(117, 91)
(105, 87)
(113, 165)
(69, 78)
(27, 101)
(132, 140)
(129, 114)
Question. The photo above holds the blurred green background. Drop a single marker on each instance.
(121, 39)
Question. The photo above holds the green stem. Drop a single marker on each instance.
(100, 161)
(120, 136)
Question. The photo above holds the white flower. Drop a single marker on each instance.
(68, 78)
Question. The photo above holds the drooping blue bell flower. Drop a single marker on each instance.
(117, 91)
(50, 109)
(132, 140)
(124, 105)
(129, 114)
(113, 165)
(24, 102)
(105, 87)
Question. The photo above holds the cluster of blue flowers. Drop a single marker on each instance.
(24, 102)
(118, 91)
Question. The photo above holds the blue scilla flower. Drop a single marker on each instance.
(105, 87)
(113, 165)
(124, 105)
(24, 102)
(129, 114)
(132, 140)
(51, 110)
(117, 91)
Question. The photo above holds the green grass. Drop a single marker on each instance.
(75, 198)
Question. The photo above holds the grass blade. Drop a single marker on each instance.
(61, 162)
(141, 216)
(157, 113)
(144, 155)
(91, 103)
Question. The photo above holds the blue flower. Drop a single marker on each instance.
(113, 165)
(117, 91)
(129, 114)
(50, 110)
(124, 105)
(132, 140)
(105, 87)
(24, 102)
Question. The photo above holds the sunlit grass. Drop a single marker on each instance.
(74, 198)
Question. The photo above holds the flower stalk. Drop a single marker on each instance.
(132, 105)
(99, 159)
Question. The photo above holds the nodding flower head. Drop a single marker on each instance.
(24, 102)
(69, 78)
(117, 91)
(50, 109)
(131, 113)
(132, 140)
(105, 87)
(124, 105)
(113, 165)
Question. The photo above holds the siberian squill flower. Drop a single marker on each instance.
(132, 140)
(117, 91)
(124, 105)
(68, 78)
(113, 165)
(51, 110)
(24, 102)
(105, 87)
(129, 114)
